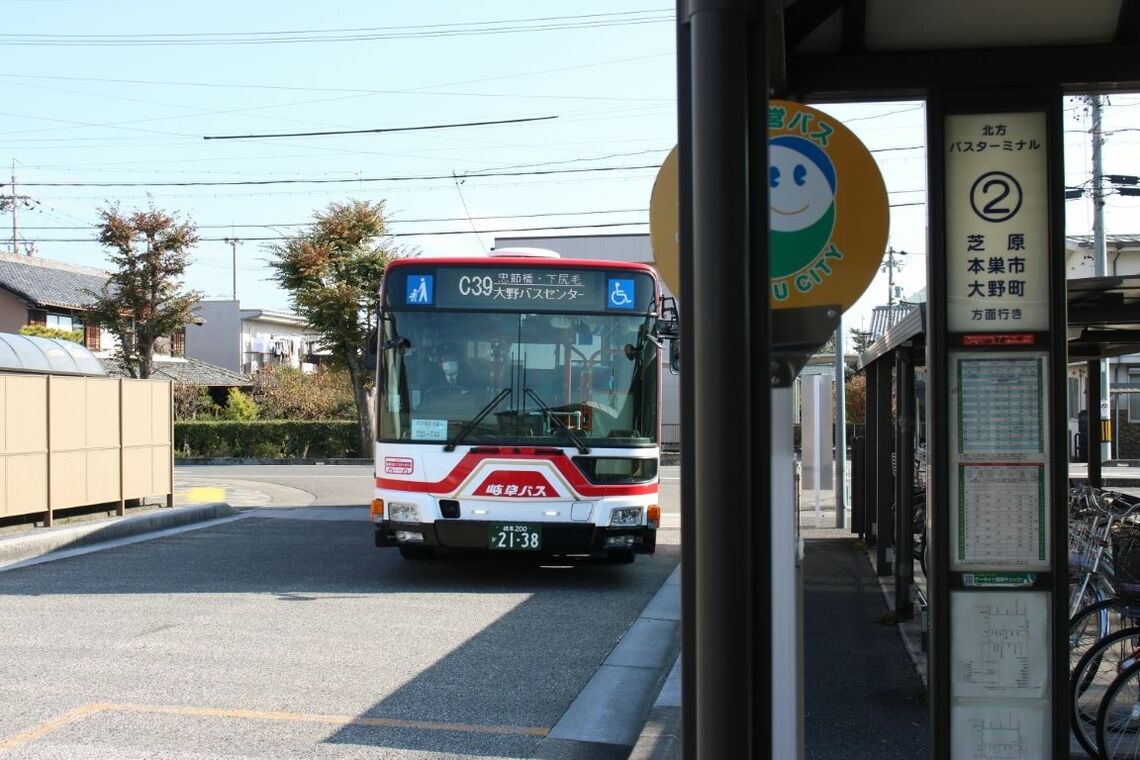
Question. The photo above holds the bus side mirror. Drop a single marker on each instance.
(370, 349)
(675, 356)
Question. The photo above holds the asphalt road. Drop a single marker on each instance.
(286, 634)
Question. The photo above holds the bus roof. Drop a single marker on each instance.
(520, 261)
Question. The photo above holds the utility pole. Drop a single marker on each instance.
(1100, 260)
(12, 201)
(233, 250)
(890, 267)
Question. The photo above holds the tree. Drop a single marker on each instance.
(861, 340)
(332, 273)
(143, 299)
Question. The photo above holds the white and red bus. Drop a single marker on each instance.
(518, 400)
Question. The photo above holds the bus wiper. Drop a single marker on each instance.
(582, 448)
(474, 422)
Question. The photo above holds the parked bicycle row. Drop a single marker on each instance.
(1104, 624)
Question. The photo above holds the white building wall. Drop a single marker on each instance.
(217, 341)
(271, 340)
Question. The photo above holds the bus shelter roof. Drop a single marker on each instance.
(47, 356)
(882, 49)
(1103, 321)
(1104, 317)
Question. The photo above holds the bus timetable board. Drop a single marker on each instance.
(558, 289)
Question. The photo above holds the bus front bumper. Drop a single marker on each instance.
(556, 538)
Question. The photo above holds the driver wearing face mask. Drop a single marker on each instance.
(449, 368)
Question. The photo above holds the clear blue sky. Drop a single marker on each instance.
(121, 91)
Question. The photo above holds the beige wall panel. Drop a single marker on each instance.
(136, 412)
(102, 475)
(160, 480)
(69, 479)
(26, 483)
(68, 419)
(102, 413)
(160, 412)
(138, 472)
(25, 415)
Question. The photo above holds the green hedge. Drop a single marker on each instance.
(267, 438)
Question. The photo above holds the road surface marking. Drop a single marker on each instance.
(43, 729)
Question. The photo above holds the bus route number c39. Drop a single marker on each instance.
(470, 285)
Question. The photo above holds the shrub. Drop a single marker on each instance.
(239, 406)
(285, 393)
(43, 331)
(300, 439)
(193, 402)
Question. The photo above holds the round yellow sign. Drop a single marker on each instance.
(665, 223)
(828, 211)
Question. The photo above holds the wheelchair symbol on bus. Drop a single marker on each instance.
(620, 294)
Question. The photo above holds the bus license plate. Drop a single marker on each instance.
(515, 536)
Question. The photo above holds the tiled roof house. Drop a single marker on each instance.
(47, 292)
(41, 291)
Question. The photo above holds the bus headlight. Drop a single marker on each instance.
(625, 517)
(403, 512)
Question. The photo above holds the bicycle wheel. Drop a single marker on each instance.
(1118, 721)
(1092, 676)
(1097, 620)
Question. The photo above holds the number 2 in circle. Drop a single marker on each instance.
(995, 196)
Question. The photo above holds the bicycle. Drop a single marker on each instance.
(1093, 675)
(1118, 719)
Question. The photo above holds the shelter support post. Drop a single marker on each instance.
(859, 486)
(840, 433)
(727, 300)
(688, 396)
(884, 478)
(904, 484)
(1095, 455)
(870, 460)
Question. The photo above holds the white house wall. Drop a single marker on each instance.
(268, 341)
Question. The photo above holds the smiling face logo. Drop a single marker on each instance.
(801, 191)
(827, 210)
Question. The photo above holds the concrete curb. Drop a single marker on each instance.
(609, 715)
(42, 541)
(661, 737)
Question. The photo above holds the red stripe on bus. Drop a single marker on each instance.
(467, 464)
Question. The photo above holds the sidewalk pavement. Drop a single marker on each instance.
(864, 671)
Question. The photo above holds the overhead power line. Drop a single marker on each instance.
(378, 131)
(463, 29)
(396, 220)
(342, 180)
(270, 238)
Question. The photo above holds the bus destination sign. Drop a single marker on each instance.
(530, 289)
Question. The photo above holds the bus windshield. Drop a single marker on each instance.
(487, 377)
